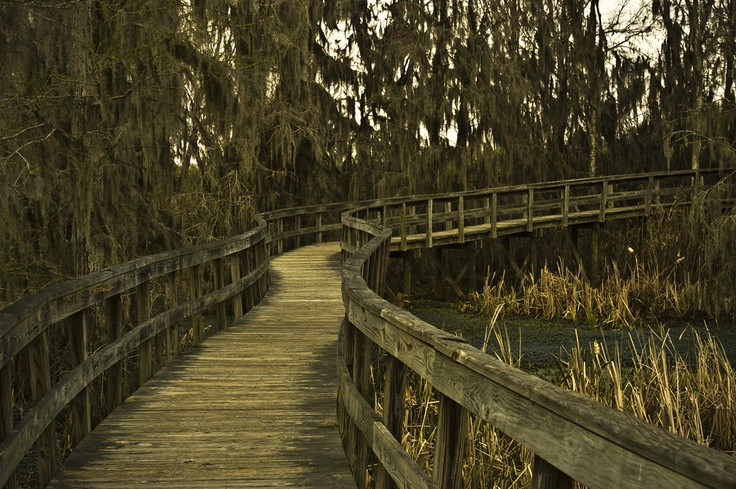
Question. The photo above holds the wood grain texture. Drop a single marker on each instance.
(253, 406)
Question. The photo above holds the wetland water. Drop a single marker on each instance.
(540, 340)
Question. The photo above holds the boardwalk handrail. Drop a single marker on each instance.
(572, 436)
(25, 326)
(236, 272)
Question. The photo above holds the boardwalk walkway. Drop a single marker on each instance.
(254, 406)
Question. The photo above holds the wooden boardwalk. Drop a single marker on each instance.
(254, 406)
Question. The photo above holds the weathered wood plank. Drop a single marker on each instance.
(253, 406)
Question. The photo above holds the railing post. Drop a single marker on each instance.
(249, 267)
(494, 215)
(195, 291)
(430, 204)
(79, 407)
(219, 278)
(234, 278)
(40, 386)
(172, 335)
(280, 230)
(143, 309)
(6, 412)
(452, 432)
(362, 380)
(297, 225)
(461, 219)
(318, 223)
(547, 476)
(604, 202)
(566, 205)
(530, 211)
(394, 391)
(402, 226)
(114, 375)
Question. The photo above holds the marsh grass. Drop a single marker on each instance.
(692, 395)
(621, 299)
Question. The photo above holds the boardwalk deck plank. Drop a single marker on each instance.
(254, 406)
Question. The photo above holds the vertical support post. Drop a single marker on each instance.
(487, 206)
(280, 230)
(530, 211)
(79, 407)
(219, 277)
(572, 239)
(604, 203)
(533, 253)
(430, 204)
(172, 335)
(439, 278)
(461, 219)
(195, 291)
(394, 392)
(352, 433)
(648, 197)
(595, 267)
(235, 277)
(406, 273)
(402, 225)
(114, 375)
(566, 205)
(6, 412)
(40, 386)
(472, 269)
(447, 211)
(452, 431)
(143, 314)
(494, 215)
(547, 476)
(297, 226)
(318, 223)
(361, 378)
(249, 267)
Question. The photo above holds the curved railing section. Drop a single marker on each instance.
(573, 437)
(134, 315)
(143, 310)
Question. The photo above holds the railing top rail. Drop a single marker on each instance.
(25, 318)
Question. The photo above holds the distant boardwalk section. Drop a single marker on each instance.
(254, 406)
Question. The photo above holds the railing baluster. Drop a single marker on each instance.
(394, 391)
(530, 211)
(143, 308)
(547, 476)
(114, 375)
(195, 292)
(402, 226)
(219, 279)
(79, 407)
(452, 431)
(235, 277)
(6, 411)
(604, 202)
(318, 223)
(172, 335)
(461, 219)
(40, 386)
(429, 222)
(494, 215)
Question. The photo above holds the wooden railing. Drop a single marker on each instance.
(572, 436)
(131, 318)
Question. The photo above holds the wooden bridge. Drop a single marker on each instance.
(261, 403)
